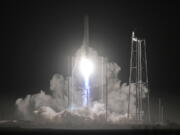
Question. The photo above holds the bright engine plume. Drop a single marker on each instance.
(86, 67)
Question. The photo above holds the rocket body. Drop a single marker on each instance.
(86, 35)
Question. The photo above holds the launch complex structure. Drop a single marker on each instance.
(138, 76)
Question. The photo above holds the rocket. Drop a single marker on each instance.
(86, 34)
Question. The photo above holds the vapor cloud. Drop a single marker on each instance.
(53, 108)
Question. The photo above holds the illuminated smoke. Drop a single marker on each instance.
(53, 108)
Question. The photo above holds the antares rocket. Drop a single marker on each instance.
(86, 35)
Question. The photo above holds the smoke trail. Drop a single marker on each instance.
(53, 108)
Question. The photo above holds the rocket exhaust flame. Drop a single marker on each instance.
(86, 68)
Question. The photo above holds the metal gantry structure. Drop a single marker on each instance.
(138, 80)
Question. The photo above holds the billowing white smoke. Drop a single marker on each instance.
(53, 108)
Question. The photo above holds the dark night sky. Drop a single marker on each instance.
(38, 36)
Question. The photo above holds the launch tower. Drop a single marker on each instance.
(138, 78)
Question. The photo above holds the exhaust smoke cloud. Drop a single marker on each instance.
(53, 108)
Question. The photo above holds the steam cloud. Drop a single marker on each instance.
(53, 108)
